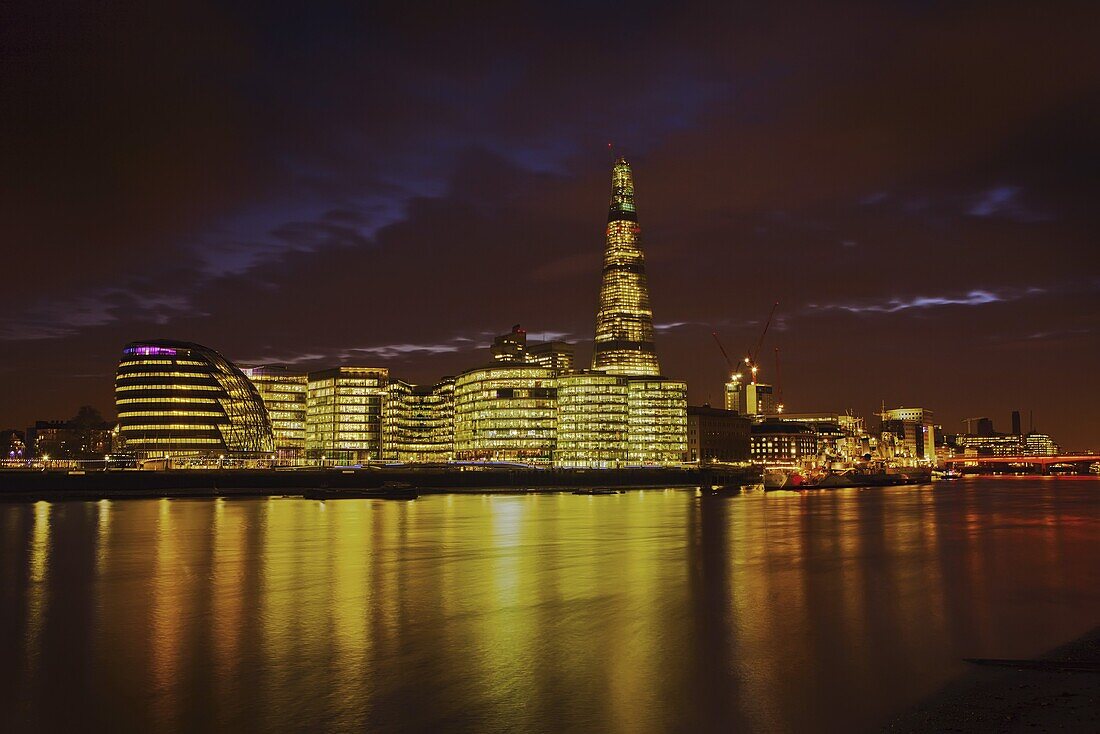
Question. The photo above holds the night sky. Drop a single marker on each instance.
(917, 184)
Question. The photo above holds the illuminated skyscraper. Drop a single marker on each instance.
(624, 324)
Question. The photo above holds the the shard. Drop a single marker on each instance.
(624, 324)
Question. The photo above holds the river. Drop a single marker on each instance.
(647, 611)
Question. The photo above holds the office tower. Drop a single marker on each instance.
(344, 413)
(910, 432)
(1016, 423)
(510, 347)
(750, 398)
(624, 324)
(557, 356)
(514, 347)
(657, 421)
(593, 420)
(177, 399)
(284, 394)
(505, 412)
(418, 422)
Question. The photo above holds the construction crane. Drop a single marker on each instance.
(778, 383)
(729, 362)
(753, 355)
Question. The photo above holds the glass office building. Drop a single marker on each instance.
(624, 323)
(593, 420)
(506, 412)
(284, 394)
(344, 408)
(657, 422)
(178, 399)
(419, 422)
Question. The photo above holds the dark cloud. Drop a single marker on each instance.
(392, 183)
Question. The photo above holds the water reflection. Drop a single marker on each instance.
(640, 612)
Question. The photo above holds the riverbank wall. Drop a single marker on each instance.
(24, 486)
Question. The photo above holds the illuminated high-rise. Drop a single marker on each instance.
(344, 413)
(624, 323)
(418, 422)
(284, 394)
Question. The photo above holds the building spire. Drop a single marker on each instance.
(624, 324)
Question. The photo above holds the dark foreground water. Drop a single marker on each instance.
(646, 611)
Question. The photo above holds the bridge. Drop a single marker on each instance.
(1043, 463)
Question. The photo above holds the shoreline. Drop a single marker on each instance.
(1057, 691)
(33, 486)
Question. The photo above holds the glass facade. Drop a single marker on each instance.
(186, 400)
(284, 394)
(657, 424)
(506, 412)
(624, 324)
(344, 413)
(593, 420)
(419, 422)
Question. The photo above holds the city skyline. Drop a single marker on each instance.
(927, 246)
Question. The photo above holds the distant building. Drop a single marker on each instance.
(178, 399)
(908, 433)
(1000, 445)
(780, 442)
(13, 445)
(510, 347)
(1039, 444)
(840, 437)
(714, 434)
(284, 394)
(63, 440)
(554, 355)
(750, 398)
(513, 347)
(344, 413)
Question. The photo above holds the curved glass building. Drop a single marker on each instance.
(505, 412)
(182, 399)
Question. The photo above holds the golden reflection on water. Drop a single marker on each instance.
(38, 593)
(638, 612)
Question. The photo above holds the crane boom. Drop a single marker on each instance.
(760, 344)
(778, 381)
(729, 362)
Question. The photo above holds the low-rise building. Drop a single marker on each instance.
(780, 442)
(714, 434)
